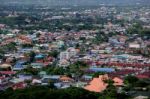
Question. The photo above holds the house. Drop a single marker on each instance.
(60, 44)
(141, 97)
(7, 73)
(15, 80)
(134, 45)
(24, 77)
(2, 26)
(19, 65)
(47, 78)
(37, 65)
(98, 84)
(25, 50)
(66, 79)
(39, 56)
(3, 80)
(36, 81)
(144, 75)
(68, 54)
(6, 66)
(64, 55)
(86, 78)
(42, 73)
(118, 81)
(19, 85)
(72, 51)
(80, 84)
(64, 63)
(95, 69)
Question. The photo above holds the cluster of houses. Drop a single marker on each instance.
(118, 56)
(115, 57)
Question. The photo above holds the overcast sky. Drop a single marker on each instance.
(74, 2)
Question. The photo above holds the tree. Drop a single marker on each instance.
(27, 45)
(38, 35)
(136, 28)
(100, 37)
(31, 55)
(53, 53)
(30, 70)
(80, 64)
(111, 91)
(28, 82)
(51, 84)
(130, 80)
(145, 32)
(97, 74)
(141, 83)
(58, 71)
(43, 92)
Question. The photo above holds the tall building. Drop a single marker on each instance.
(64, 55)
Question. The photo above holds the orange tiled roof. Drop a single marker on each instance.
(118, 81)
(65, 78)
(98, 84)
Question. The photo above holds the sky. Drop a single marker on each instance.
(75, 2)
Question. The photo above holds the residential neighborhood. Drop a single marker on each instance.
(93, 48)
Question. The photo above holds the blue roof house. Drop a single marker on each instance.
(19, 65)
(39, 56)
(37, 65)
(95, 69)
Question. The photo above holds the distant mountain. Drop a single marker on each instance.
(74, 2)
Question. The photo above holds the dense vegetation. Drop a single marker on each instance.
(44, 92)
